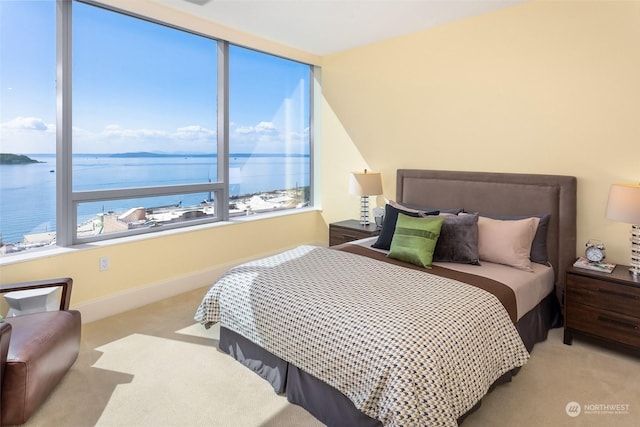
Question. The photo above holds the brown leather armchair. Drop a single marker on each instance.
(36, 351)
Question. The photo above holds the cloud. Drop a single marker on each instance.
(118, 131)
(266, 127)
(267, 137)
(116, 138)
(195, 131)
(192, 132)
(28, 135)
(27, 124)
(264, 137)
(262, 128)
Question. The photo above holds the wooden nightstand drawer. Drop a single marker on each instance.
(605, 324)
(338, 237)
(350, 230)
(608, 296)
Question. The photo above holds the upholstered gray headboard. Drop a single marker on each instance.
(502, 194)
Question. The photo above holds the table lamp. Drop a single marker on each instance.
(365, 184)
(624, 206)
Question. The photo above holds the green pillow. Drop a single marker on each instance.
(415, 239)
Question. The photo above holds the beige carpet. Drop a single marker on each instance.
(155, 367)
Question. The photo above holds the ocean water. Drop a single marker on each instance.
(28, 192)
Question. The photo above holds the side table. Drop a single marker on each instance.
(605, 306)
(350, 230)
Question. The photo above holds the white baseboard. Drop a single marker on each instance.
(138, 297)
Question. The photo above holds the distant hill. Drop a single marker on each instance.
(16, 159)
(139, 154)
(143, 154)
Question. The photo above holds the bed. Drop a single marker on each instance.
(362, 335)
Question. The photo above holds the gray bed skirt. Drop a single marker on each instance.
(329, 405)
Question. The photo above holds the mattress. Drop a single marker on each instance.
(529, 287)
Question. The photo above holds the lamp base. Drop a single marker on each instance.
(634, 266)
(364, 210)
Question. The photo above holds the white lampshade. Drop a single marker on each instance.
(365, 183)
(624, 203)
(624, 206)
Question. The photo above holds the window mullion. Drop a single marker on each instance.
(315, 75)
(65, 213)
(222, 201)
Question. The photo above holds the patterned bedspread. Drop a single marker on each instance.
(407, 347)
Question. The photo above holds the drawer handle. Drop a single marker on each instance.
(618, 322)
(618, 294)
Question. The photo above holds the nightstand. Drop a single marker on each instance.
(350, 230)
(605, 306)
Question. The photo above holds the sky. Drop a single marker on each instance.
(139, 86)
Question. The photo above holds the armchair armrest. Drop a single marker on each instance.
(65, 283)
(5, 336)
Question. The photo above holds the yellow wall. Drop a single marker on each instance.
(143, 262)
(542, 87)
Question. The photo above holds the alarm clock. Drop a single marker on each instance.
(595, 251)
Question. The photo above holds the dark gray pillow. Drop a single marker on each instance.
(458, 241)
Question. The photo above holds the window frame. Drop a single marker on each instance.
(67, 200)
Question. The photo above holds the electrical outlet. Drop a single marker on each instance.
(104, 263)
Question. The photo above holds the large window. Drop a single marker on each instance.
(158, 127)
(27, 122)
(268, 131)
(154, 126)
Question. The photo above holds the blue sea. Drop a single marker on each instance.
(28, 195)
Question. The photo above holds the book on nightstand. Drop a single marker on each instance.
(603, 267)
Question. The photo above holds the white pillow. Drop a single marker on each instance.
(507, 241)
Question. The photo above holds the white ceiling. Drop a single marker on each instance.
(322, 27)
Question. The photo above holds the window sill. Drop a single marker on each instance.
(40, 253)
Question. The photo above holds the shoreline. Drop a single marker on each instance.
(140, 217)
